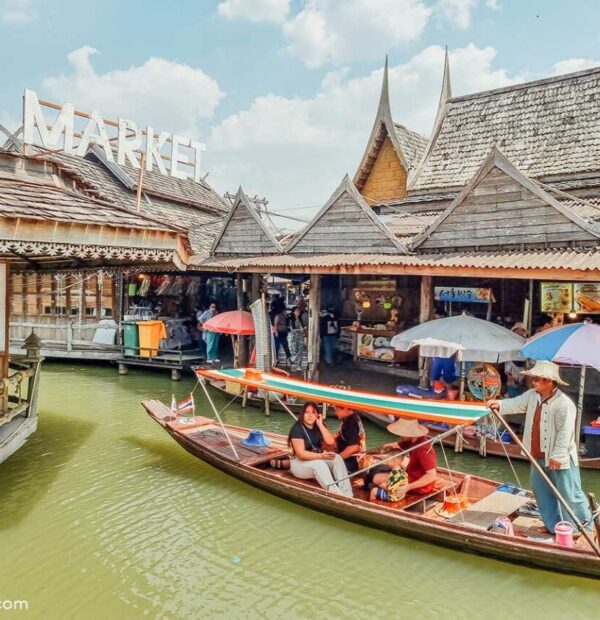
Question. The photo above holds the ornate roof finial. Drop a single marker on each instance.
(384, 98)
(445, 94)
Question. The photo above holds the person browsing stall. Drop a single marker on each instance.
(420, 464)
(350, 439)
(549, 436)
(307, 438)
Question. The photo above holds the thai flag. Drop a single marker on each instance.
(184, 406)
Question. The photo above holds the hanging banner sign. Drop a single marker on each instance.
(377, 286)
(587, 297)
(128, 144)
(556, 297)
(464, 294)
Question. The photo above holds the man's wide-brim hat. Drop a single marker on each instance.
(407, 428)
(256, 439)
(545, 370)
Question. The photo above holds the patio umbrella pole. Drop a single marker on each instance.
(551, 486)
(462, 381)
(579, 406)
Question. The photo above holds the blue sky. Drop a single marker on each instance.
(283, 92)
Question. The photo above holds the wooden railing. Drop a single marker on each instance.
(68, 332)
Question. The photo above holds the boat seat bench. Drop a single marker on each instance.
(442, 486)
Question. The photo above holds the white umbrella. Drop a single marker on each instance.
(472, 339)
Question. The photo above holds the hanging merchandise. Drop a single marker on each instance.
(132, 289)
(144, 287)
(193, 288)
(164, 286)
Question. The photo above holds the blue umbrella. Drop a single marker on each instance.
(577, 344)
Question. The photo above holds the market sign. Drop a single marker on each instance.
(556, 297)
(464, 294)
(130, 144)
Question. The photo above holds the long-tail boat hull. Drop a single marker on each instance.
(204, 438)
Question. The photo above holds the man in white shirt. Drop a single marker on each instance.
(549, 436)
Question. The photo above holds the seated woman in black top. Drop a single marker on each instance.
(350, 439)
(307, 437)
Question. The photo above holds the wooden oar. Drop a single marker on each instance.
(555, 491)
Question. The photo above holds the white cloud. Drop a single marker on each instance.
(255, 10)
(571, 65)
(171, 96)
(457, 12)
(327, 31)
(492, 4)
(295, 150)
(17, 11)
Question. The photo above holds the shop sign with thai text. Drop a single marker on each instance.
(377, 286)
(129, 144)
(464, 294)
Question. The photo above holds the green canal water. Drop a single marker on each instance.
(102, 515)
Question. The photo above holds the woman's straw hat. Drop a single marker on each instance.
(545, 370)
(407, 428)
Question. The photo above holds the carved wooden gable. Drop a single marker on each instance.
(244, 233)
(500, 206)
(346, 225)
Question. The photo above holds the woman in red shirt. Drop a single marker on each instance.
(420, 464)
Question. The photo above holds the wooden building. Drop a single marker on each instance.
(67, 297)
(68, 248)
(506, 190)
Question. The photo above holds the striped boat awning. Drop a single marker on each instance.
(450, 412)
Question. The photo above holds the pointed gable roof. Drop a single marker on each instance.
(408, 145)
(346, 224)
(244, 232)
(500, 206)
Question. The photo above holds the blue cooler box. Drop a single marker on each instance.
(592, 441)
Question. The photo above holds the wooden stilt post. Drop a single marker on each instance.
(425, 314)
(242, 341)
(563, 502)
(314, 341)
(580, 406)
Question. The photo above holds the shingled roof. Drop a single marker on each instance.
(113, 183)
(546, 128)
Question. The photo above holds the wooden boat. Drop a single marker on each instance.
(493, 447)
(420, 517)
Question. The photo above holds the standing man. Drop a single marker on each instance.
(549, 436)
(330, 330)
(350, 438)
(210, 338)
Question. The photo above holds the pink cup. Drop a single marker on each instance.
(563, 532)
